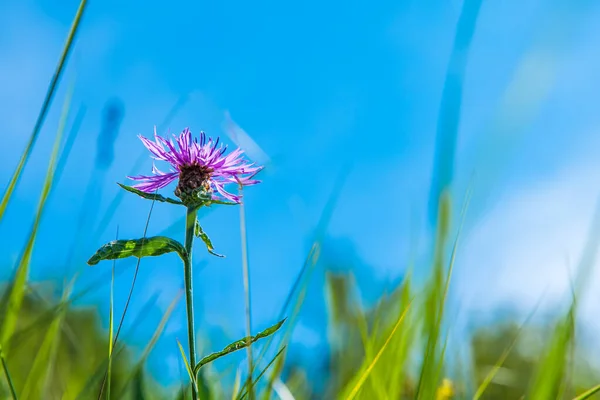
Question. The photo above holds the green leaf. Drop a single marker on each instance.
(238, 345)
(221, 202)
(206, 199)
(146, 247)
(199, 232)
(150, 196)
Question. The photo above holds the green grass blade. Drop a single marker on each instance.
(150, 345)
(438, 293)
(160, 328)
(435, 300)
(9, 380)
(246, 280)
(236, 384)
(191, 374)
(448, 119)
(111, 318)
(365, 374)
(34, 387)
(19, 284)
(490, 376)
(588, 394)
(275, 374)
(303, 278)
(135, 274)
(260, 375)
(44, 110)
(549, 381)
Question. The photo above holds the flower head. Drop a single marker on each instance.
(200, 165)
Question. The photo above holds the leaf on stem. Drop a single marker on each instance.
(150, 196)
(199, 233)
(140, 248)
(238, 345)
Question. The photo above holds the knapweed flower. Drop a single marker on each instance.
(200, 165)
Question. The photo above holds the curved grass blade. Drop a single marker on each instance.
(363, 377)
(191, 374)
(549, 379)
(139, 391)
(135, 274)
(157, 333)
(150, 196)
(588, 394)
(19, 284)
(275, 374)
(236, 384)
(111, 323)
(303, 278)
(448, 119)
(11, 386)
(200, 234)
(490, 376)
(246, 281)
(140, 248)
(276, 358)
(44, 110)
(35, 383)
(66, 151)
(238, 345)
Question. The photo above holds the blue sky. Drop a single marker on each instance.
(316, 85)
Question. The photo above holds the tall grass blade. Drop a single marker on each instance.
(66, 151)
(448, 119)
(365, 374)
(135, 274)
(246, 278)
(303, 278)
(111, 323)
(44, 110)
(277, 357)
(549, 380)
(492, 373)
(150, 345)
(191, 374)
(19, 284)
(35, 384)
(9, 380)
(434, 303)
(588, 394)
(275, 374)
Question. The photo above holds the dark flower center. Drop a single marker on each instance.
(191, 178)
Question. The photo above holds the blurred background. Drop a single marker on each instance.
(364, 115)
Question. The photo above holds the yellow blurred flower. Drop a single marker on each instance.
(445, 391)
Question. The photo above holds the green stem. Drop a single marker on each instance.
(190, 224)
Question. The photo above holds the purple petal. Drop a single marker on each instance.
(224, 193)
(153, 183)
(155, 148)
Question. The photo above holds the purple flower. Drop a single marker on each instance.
(199, 165)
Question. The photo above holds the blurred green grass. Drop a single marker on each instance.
(396, 349)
